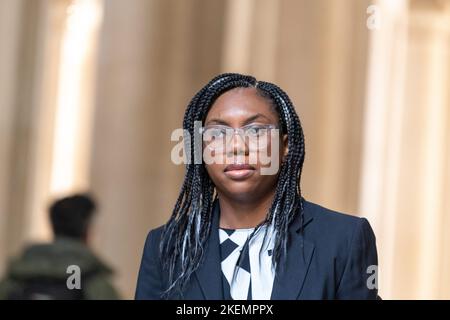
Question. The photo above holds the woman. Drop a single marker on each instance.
(242, 230)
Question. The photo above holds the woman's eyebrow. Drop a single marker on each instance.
(255, 117)
(246, 121)
(217, 121)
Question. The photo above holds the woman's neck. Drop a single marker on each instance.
(243, 214)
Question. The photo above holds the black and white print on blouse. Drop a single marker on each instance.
(247, 277)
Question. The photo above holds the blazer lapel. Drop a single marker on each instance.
(289, 278)
(209, 273)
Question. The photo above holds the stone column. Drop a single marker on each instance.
(10, 20)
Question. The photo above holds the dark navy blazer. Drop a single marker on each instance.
(338, 261)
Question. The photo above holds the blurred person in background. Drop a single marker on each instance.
(43, 271)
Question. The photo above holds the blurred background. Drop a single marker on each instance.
(91, 90)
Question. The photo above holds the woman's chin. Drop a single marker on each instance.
(240, 190)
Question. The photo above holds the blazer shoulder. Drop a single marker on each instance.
(153, 238)
(337, 223)
(156, 232)
(324, 214)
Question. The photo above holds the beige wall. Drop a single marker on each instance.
(21, 79)
(9, 34)
(374, 106)
(404, 185)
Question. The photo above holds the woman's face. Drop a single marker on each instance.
(238, 160)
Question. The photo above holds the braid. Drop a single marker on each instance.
(185, 234)
(287, 198)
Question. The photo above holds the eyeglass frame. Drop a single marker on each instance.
(240, 131)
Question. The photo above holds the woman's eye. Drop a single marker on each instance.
(216, 133)
(254, 131)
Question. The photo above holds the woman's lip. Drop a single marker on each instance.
(238, 167)
(239, 171)
(239, 174)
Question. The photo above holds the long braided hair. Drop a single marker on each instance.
(185, 234)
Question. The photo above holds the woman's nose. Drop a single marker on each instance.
(238, 145)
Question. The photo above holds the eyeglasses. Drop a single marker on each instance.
(217, 137)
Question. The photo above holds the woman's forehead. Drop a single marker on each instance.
(240, 104)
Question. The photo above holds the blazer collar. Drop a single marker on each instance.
(289, 278)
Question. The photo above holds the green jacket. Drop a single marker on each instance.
(50, 261)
